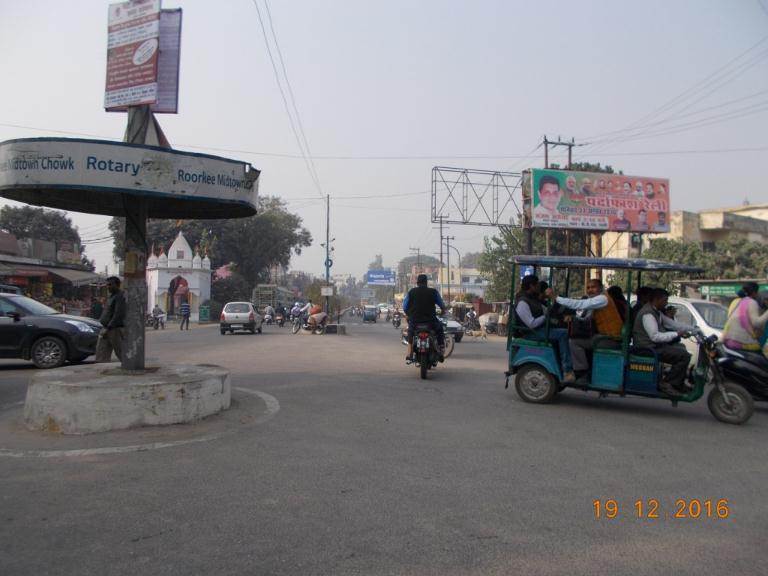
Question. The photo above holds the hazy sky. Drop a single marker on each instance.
(417, 78)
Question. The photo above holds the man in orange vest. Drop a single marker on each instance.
(605, 318)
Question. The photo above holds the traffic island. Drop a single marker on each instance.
(102, 397)
(336, 329)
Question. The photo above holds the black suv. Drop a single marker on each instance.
(33, 331)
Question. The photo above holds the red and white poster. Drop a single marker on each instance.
(132, 53)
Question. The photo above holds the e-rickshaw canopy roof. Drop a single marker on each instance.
(641, 264)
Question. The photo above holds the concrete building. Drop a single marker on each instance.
(177, 276)
(461, 281)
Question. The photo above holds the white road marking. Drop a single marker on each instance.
(273, 406)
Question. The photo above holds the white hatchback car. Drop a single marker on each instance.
(240, 316)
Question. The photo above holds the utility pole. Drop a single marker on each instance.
(448, 258)
(328, 261)
(440, 270)
(418, 263)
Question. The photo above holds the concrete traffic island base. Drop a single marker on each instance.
(101, 397)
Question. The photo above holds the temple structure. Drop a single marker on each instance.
(177, 276)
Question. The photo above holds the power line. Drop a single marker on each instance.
(718, 78)
(285, 102)
(290, 91)
(683, 95)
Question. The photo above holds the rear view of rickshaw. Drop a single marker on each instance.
(617, 366)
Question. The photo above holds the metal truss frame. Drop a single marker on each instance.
(476, 197)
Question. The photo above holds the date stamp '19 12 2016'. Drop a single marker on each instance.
(652, 509)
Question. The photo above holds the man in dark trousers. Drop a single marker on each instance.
(419, 307)
(655, 331)
(113, 321)
(185, 311)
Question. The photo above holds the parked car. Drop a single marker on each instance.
(453, 327)
(33, 331)
(8, 289)
(240, 316)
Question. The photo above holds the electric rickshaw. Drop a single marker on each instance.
(617, 366)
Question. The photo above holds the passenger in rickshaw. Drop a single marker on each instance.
(746, 323)
(655, 331)
(616, 293)
(642, 295)
(605, 316)
(530, 312)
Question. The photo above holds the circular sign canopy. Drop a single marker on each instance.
(102, 177)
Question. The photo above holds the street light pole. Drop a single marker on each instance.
(461, 288)
(448, 262)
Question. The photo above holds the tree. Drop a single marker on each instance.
(254, 244)
(734, 259)
(40, 223)
(233, 288)
(471, 259)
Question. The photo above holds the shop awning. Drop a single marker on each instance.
(75, 277)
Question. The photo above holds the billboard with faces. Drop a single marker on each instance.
(598, 201)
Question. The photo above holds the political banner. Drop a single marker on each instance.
(133, 42)
(380, 278)
(599, 201)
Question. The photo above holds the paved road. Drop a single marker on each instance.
(365, 469)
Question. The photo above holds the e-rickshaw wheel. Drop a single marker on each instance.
(534, 384)
(741, 408)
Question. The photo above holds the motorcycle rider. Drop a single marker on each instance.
(269, 311)
(419, 307)
(295, 310)
(157, 316)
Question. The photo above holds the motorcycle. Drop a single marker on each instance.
(450, 343)
(280, 319)
(745, 369)
(396, 320)
(268, 319)
(302, 323)
(425, 352)
(155, 321)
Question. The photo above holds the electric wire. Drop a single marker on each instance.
(312, 175)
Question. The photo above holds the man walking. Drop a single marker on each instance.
(185, 311)
(113, 321)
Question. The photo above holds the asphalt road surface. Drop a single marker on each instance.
(337, 459)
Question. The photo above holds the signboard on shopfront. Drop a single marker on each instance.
(725, 290)
(133, 42)
(598, 201)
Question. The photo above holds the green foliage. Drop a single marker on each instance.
(40, 223)
(734, 259)
(234, 288)
(495, 265)
(471, 259)
(254, 244)
(377, 264)
(409, 261)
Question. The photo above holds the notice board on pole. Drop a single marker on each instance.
(143, 56)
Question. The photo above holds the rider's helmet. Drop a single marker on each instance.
(422, 280)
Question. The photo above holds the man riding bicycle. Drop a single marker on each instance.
(419, 307)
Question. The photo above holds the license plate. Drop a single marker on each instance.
(233, 326)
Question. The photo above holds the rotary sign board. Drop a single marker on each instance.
(95, 176)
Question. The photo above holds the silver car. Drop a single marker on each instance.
(240, 316)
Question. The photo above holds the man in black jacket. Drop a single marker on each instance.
(113, 321)
(419, 307)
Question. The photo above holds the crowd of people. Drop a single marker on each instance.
(576, 325)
